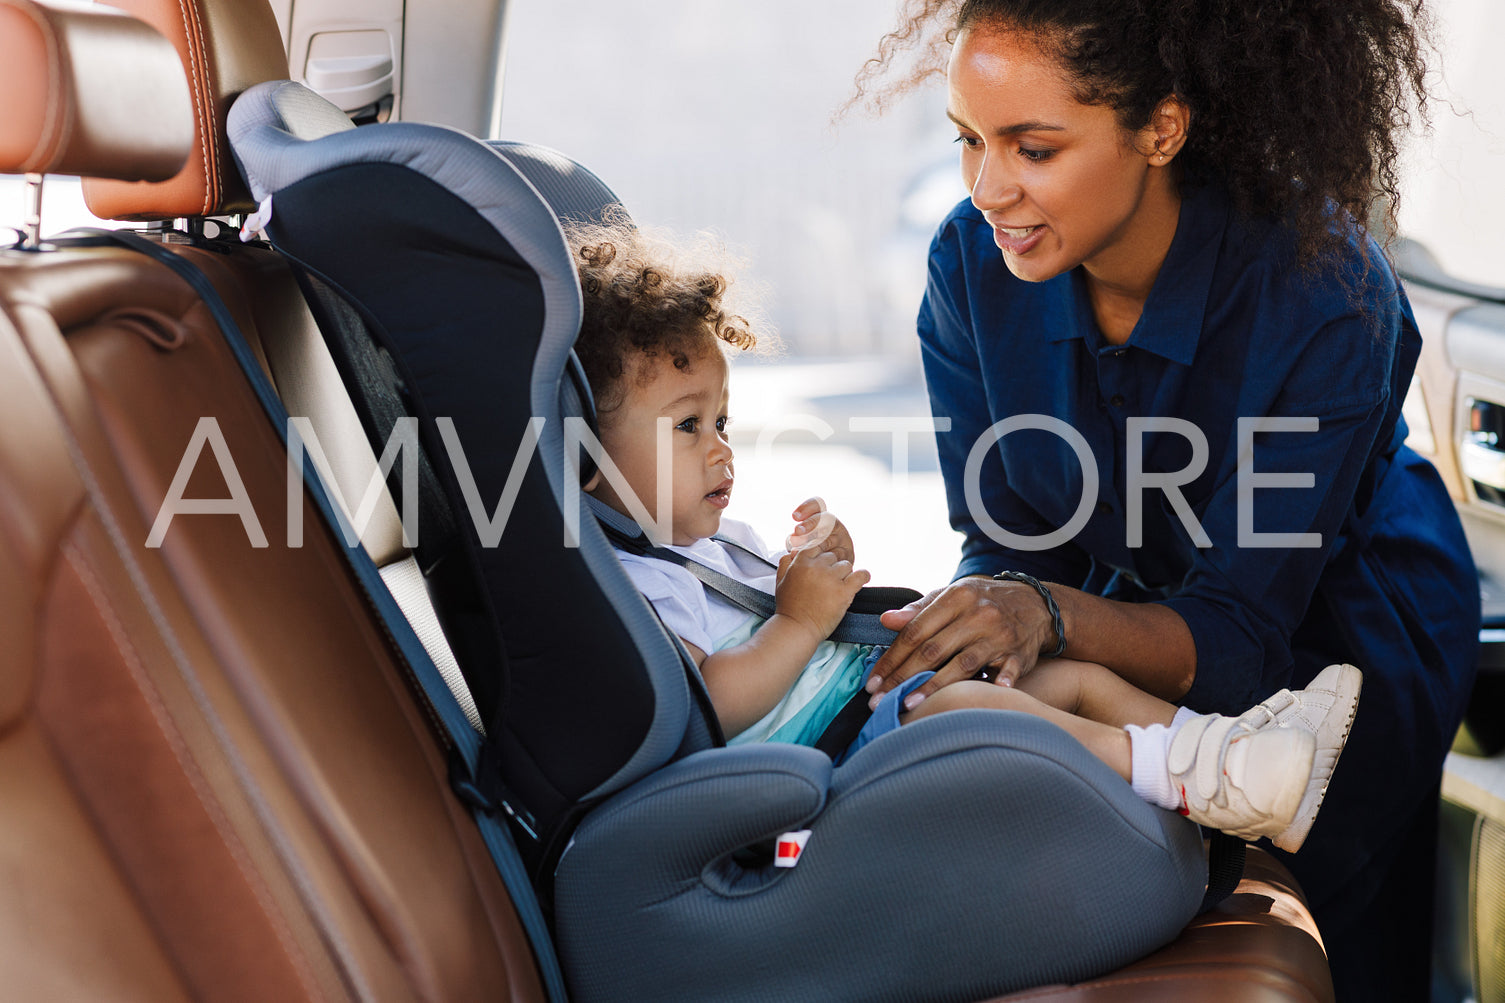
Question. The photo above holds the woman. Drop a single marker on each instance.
(1161, 265)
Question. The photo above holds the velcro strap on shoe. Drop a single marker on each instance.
(1210, 759)
(1183, 750)
(1201, 744)
(1269, 711)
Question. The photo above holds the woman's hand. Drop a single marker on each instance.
(969, 625)
(815, 588)
(818, 529)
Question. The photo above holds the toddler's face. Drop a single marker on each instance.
(691, 403)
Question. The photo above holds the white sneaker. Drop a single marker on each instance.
(1325, 708)
(1246, 782)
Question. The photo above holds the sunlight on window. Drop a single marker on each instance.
(63, 205)
(717, 114)
(1451, 198)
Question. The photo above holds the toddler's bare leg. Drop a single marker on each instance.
(1093, 691)
(1105, 741)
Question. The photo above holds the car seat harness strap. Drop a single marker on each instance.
(860, 625)
(856, 627)
(1225, 868)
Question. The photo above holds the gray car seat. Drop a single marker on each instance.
(967, 855)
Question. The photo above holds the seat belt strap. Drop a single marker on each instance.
(465, 742)
(875, 599)
(845, 726)
(855, 628)
(1225, 868)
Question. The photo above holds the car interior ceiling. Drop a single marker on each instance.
(222, 781)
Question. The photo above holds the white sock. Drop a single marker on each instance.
(1183, 715)
(1149, 753)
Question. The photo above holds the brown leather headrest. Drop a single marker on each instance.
(225, 46)
(87, 90)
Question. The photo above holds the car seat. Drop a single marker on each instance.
(640, 822)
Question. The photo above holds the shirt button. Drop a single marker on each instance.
(1118, 352)
(1117, 400)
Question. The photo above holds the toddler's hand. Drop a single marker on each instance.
(818, 529)
(815, 588)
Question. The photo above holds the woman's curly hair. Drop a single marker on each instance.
(1296, 105)
(645, 296)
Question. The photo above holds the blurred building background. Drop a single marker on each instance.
(717, 114)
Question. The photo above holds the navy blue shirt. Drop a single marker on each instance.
(1231, 330)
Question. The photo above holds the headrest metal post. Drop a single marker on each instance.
(33, 227)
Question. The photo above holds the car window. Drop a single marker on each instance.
(717, 114)
(1451, 198)
(62, 205)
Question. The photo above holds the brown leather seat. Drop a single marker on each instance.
(1259, 946)
(217, 781)
(217, 784)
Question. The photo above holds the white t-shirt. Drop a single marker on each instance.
(703, 618)
(687, 608)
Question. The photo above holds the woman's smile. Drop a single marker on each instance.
(1018, 240)
(1062, 183)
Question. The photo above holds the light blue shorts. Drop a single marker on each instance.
(886, 717)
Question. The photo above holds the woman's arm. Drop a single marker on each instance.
(1225, 634)
(979, 622)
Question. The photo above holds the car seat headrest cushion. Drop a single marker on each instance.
(225, 46)
(571, 190)
(89, 91)
(307, 115)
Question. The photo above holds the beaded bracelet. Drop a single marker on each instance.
(1050, 604)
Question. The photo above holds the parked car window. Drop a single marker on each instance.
(717, 114)
(1451, 199)
(62, 205)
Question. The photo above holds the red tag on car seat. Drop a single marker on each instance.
(789, 848)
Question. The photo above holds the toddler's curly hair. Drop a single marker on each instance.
(644, 296)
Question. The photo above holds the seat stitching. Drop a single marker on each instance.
(195, 80)
(212, 180)
(161, 716)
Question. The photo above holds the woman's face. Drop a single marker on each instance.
(1061, 182)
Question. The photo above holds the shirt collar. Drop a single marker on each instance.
(1171, 323)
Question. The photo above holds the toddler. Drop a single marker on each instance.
(652, 344)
